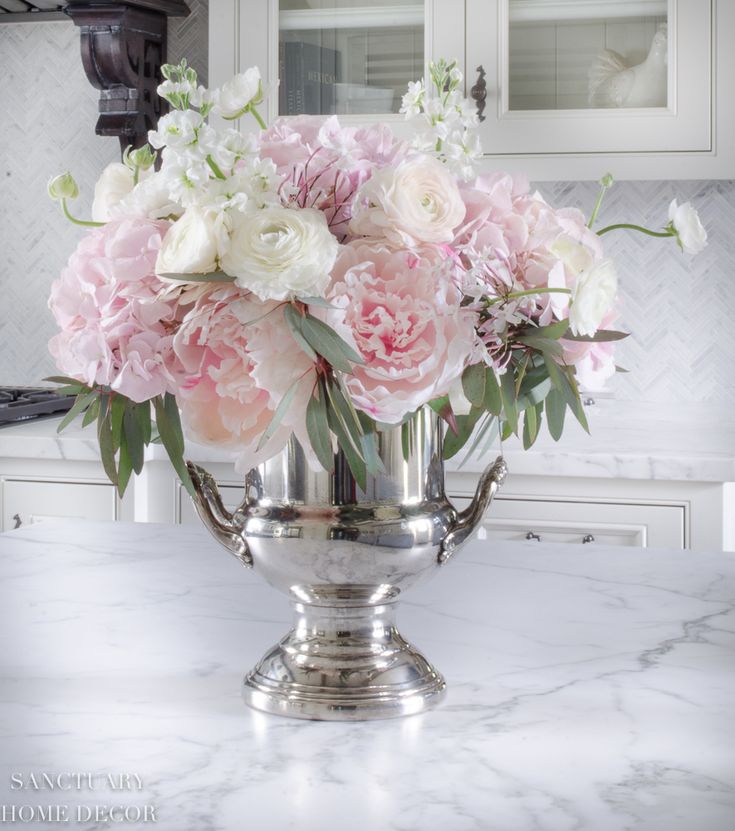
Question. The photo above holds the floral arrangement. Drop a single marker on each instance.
(325, 281)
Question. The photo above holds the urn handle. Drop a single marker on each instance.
(470, 518)
(223, 525)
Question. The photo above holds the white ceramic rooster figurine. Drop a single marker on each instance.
(613, 84)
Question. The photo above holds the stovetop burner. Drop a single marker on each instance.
(23, 403)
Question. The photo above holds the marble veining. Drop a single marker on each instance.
(588, 689)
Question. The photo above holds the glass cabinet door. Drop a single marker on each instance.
(348, 57)
(587, 55)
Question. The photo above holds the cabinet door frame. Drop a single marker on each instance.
(244, 33)
(693, 138)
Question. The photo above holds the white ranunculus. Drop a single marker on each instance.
(592, 297)
(150, 198)
(194, 243)
(236, 95)
(115, 183)
(415, 202)
(279, 253)
(689, 230)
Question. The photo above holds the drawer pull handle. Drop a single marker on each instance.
(18, 521)
(478, 92)
(588, 538)
(531, 536)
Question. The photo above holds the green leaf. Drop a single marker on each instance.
(356, 463)
(545, 345)
(69, 383)
(278, 415)
(125, 467)
(326, 342)
(534, 395)
(485, 430)
(172, 437)
(454, 442)
(530, 427)
(473, 384)
(118, 410)
(621, 369)
(104, 437)
(556, 408)
(554, 331)
(508, 395)
(563, 381)
(209, 277)
(142, 413)
(293, 319)
(83, 400)
(316, 301)
(135, 447)
(317, 427)
(92, 412)
(492, 402)
(443, 408)
(600, 336)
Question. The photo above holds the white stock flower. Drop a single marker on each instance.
(593, 295)
(194, 243)
(176, 129)
(116, 182)
(279, 253)
(413, 99)
(149, 198)
(685, 222)
(416, 201)
(237, 94)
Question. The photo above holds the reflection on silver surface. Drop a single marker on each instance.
(344, 556)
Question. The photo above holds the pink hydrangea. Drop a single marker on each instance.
(239, 359)
(116, 327)
(401, 312)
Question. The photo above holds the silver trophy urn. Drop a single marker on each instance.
(344, 557)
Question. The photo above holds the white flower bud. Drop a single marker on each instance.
(63, 187)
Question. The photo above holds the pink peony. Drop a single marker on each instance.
(116, 326)
(239, 359)
(402, 314)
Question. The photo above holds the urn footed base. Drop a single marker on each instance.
(343, 664)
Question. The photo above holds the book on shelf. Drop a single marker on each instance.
(308, 74)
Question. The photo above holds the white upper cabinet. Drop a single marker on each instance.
(571, 89)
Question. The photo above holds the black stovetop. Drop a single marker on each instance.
(23, 403)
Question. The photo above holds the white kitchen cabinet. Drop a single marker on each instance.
(27, 501)
(35, 489)
(529, 50)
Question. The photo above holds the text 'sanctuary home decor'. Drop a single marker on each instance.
(343, 310)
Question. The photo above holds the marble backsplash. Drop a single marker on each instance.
(680, 310)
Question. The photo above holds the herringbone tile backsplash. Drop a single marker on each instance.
(681, 311)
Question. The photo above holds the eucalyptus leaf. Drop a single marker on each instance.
(293, 320)
(556, 408)
(355, 462)
(473, 384)
(493, 401)
(104, 437)
(530, 427)
(454, 442)
(172, 437)
(278, 415)
(600, 336)
(316, 301)
(133, 438)
(508, 393)
(326, 342)
(554, 331)
(208, 277)
(117, 410)
(92, 412)
(142, 413)
(125, 467)
(83, 400)
(443, 408)
(317, 427)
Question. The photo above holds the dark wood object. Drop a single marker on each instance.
(123, 47)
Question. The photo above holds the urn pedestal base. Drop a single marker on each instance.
(343, 664)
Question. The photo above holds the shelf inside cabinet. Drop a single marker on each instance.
(536, 11)
(358, 17)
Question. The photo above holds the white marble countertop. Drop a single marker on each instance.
(589, 688)
(626, 441)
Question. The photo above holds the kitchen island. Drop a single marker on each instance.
(589, 688)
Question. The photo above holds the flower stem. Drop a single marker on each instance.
(526, 293)
(258, 118)
(598, 205)
(636, 228)
(215, 167)
(85, 223)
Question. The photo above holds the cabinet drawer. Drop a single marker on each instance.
(26, 501)
(567, 521)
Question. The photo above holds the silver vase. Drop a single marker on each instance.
(344, 557)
